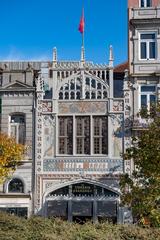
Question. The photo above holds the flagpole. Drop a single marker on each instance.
(83, 29)
(83, 39)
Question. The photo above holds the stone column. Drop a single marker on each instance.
(95, 218)
(70, 217)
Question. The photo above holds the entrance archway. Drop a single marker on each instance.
(82, 199)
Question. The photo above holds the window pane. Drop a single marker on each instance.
(99, 86)
(66, 135)
(93, 95)
(22, 132)
(142, 3)
(96, 126)
(72, 95)
(18, 128)
(152, 50)
(79, 126)
(148, 89)
(148, 36)
(66, 95)
(79, 145)
(78, 95)
(100, 134)
(87, 135)
(148, 3)
(72, 86)
(93, 83)
(87, 81)
(152, 99)
(143, 50)
(17, 118)
(97, 146)
(143, 100)
(87, 95)
(61, 145)
(61, 95)
(83, 135)
(105, 135)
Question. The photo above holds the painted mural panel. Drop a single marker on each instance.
(117, 134)
(83, 165)
(48, 136)
(83, 107)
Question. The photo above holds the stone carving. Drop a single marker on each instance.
(83, 107)
(46, 106)
(84, 165)
(117, 134)
(48, 136)
(118, 105)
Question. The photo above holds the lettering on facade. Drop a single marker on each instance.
(83, 189)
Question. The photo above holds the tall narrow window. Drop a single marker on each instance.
(145, 3)
(65, 135)
(148, 96)
(100, 135)
(18, 127)
(147, 46)
(83, 135)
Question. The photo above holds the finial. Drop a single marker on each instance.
(111, 56)
(54, 54)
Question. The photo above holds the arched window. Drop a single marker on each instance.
(16, 186)
(93, 89)
(72, 95)
(60, 95)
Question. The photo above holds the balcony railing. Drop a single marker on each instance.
(141, 123)
(145, 13)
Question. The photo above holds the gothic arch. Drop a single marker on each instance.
(83, 180)
(71, 87)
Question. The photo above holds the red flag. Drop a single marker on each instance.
(81, 24)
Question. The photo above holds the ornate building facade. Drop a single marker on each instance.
(71, 119)
(77, 118)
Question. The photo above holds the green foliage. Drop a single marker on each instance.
(38, 228)
(141, 191)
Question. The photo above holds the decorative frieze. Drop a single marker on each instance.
(83, 107)
(84, 165)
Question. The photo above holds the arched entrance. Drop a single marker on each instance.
(82, 200)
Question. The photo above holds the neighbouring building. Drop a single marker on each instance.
(77, 118)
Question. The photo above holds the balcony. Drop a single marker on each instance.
(145, 13)
(141, 123)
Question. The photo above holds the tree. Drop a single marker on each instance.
(141, 191)
(11, 154)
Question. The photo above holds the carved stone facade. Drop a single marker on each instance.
(73, 125)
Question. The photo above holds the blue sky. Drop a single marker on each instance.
(31, 28)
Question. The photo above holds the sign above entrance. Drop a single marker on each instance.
(82, 189)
